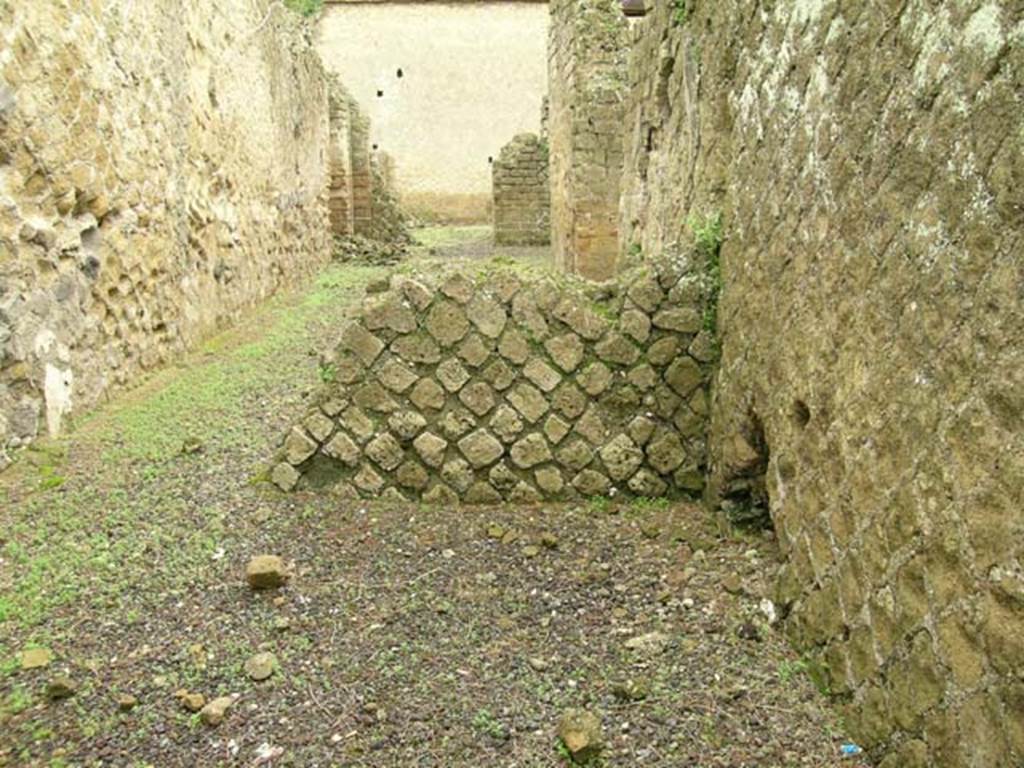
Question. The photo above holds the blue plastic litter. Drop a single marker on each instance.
(849, 750)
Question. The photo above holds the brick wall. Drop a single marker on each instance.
(522, 193)
(587, 71)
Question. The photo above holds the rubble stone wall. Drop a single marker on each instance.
(868, 161)
(587, 83)
(522, 193)
(163, 167)
(511, 386)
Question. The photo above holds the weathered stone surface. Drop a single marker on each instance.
(487, 315)
(446, 323)
(664, 351)
(646, 293)
(35, 658)
(458, 474)
(580, 319)
(457, 287)
(373, 397)
(592, 426)
(298, 446)
(643, 377)
(406, 424)
(344, 449)
(483, 493)
(582, 735)
(478, 397)
(569, 401)
(621, 457)
(681, 320)
(566, 351)
(367, 480)
(215, 712)
(452, 375)
(541, 374)
(361, 426)
(417, 348)
(555, 429)
(640, 430)
(549, 480)
(499, 375)
(514, 347)
(285, 476)
(266, 572)
(318, 426)
(666, 453)
(473, 351)
(389, 312)
(529, 401)
(590, 482)
(506, 423)
(363, 344)
(530, 451)
(684, 376)
(636, 325)
(617, 349)
(427, 395)
(522, 196)
(481, 448)
(431, 449)
(412, 475)
(396, 376)
(457, 422)
(576, 454)
(385, 451)
(595, 379)
(502, 477)
(647, 484)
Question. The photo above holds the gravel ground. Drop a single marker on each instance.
(408, 636)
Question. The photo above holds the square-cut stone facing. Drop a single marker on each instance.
(417, 348)
(506, 423)
(530, 451)
(319, 426)
(684, 375)
(595, 379)
(344, 449)
(566, 350)
(452, 375)
(621, 458)
(666, 453)
(681, 320)
(487, 315)
(396, 376)
(478, 397)
(430, 448)
(363, 344)
(529, 401)
(427, 394)
(385, 451)
(473, 351)
(481, 448)
(514, 347)
(542, 374)
(447, 323)
(298, 446)
(617, 349)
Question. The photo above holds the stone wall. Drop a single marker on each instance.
(868, 162)
(522, 193)
(587, 83)
(511, 386)
(163, 167)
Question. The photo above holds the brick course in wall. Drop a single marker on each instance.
(587, 71)
(522, 193)
(511, 386)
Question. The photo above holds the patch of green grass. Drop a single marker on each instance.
(487, 723)
(642, 503)
(447, 236)
(305, 7)
(681, 10)
(789, 670)
(708, 233)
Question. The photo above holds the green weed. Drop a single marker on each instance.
(305, 7)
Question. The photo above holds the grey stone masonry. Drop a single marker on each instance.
(509, 385)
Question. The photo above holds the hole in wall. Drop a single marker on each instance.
(380, 94)
(801, 413)
(376, 147)
(744, 492)
(490, 159)
(400, 74)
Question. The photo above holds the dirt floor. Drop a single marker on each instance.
(409, 636)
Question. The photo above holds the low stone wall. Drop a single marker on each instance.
(522, 193)
(162, 169)
(512, 386)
